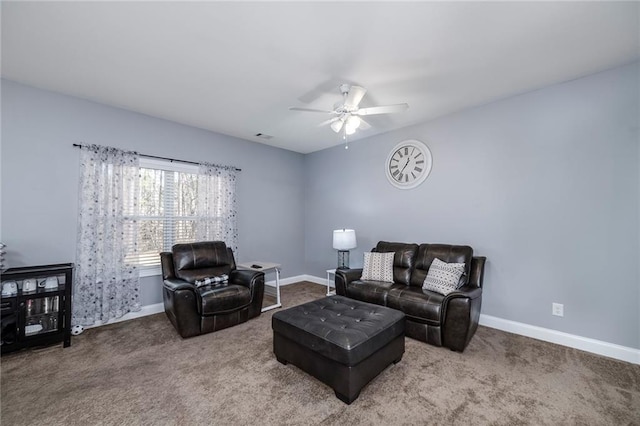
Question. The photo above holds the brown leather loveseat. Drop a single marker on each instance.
(197, 309)
(431, 317)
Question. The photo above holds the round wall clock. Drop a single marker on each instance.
(408, 164)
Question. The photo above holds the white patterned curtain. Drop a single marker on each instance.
(216, 210)
(106, 284)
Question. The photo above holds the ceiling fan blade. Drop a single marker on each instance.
(329, 121)
(310, 110)
(356, 93)
(385, 109)
(364, 125)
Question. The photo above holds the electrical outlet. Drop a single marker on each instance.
(557, 309)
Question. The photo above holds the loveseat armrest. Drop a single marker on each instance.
(460, 316)
(476, 275)
(344, 277)
(467, 291)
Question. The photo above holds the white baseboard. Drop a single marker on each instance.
(599, 347)
(143, 312)
(270, 285)
(297, 279)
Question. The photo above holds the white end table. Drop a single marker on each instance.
(329, 273)
(266, 267)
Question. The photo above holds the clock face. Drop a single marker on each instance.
(408, 164)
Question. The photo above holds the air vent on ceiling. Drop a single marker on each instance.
(263, 136)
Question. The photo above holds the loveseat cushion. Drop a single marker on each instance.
(446, 253)
(416, 302)
(218, 299)
(369, 291)
(403, 260)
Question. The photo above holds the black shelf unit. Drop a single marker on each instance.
(39, 317)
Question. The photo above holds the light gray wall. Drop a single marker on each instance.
(40, 170)
(545, 184)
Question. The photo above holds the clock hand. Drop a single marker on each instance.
(408, 160)
(405, 165)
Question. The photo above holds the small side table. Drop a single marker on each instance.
(266, 267)
(329, 273)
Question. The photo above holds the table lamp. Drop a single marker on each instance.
(343, 241)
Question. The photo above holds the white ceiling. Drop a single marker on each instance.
(236, 68)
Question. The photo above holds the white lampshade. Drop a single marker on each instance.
(344, 239)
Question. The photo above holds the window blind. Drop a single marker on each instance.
(168, 202)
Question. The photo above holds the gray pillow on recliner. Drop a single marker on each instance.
(220, 279)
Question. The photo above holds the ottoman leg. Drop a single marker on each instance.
(347, 400)
(281, 360)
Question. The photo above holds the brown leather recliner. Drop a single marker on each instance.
(431, 317)
(197, 310)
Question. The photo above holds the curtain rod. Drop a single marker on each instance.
(161, 158)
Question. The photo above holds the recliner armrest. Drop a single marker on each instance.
(245, 277)
(344, 277)
(254, 281)
(175, 284)
(168, 270)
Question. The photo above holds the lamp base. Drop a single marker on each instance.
(343, 259)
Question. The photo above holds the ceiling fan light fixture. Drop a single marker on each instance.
(337, 125)
(345, 116)
(352, 124)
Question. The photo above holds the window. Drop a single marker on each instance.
(181, 203)
(167, 206)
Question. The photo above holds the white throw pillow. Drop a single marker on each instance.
(443, 277)
(378, 267)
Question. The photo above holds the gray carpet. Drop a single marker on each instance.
(142, 372)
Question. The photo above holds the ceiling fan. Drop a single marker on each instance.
(347, 115)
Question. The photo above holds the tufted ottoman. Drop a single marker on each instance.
(343, 342)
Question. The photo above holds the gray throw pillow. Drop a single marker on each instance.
(443, 277)
(378, 267)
